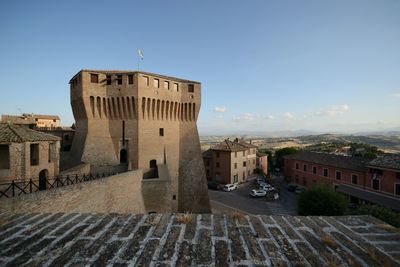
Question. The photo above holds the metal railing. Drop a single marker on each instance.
(20, 187)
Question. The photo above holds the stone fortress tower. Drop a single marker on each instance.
(142, 121)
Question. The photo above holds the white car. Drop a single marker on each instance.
(258, 193)
(229, 187)
(264, 185)
(267, 188)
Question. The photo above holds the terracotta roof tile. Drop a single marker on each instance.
(237, 145)
(358, 164)
(391, 161)
(11, 133)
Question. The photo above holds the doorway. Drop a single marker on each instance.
(123, 156)
(43, 174)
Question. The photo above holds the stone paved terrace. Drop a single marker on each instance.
(195, 240)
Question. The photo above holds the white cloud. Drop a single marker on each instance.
(220, 109)
(270, 117)
(289, 115)
(333, 111)
(245, 117)
(396, 94)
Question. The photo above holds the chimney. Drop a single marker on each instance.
(236, 140)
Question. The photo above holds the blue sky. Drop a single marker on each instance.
(264, 65)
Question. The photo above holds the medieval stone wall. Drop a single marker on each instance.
(150, 117)
(118, 193)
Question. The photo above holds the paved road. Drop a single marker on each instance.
(241, 200)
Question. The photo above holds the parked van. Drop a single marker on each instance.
(229, 187)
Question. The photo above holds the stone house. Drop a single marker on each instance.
(66, 135)
(26, 153)
(230, 161)
(33, 120)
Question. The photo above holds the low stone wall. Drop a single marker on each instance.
(80, 169)
(157, 195)
(120, 193)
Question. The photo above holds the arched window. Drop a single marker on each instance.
(153, 171)
(153, 163)
(123, 156)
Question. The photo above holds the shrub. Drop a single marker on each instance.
(384, 214)
(321, 201)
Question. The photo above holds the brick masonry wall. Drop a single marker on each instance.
(101, 110)
(195, 240)
(387, 182)
(307, 177)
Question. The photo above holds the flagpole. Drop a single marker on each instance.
(138, 60)
(140, 57)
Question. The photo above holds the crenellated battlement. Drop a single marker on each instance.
(124, 95)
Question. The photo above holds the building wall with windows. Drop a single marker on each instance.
(305, 174)
(262, 162)
(230, 162)
(144, 121)
(33, 120)
(376, 181)
(383, 175)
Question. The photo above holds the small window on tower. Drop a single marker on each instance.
(161, 131)
(130, 79)
(166, 85)
(108, 78)
(146, 80)
(119, 79)
(94, 78)
(176, 87)
(191, 88)
(156, 83)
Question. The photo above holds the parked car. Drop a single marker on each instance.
(258, 193)
(292, 187)
(259, 180)
(299, 190)
(263, 184)
(267, 188)
(229, 187)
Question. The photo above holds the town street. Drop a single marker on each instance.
(239, 200)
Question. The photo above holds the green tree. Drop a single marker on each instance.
(370, 155)
(283, 152)
(321, 201)
(379, 212)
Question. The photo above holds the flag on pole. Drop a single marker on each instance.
(140, 54)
